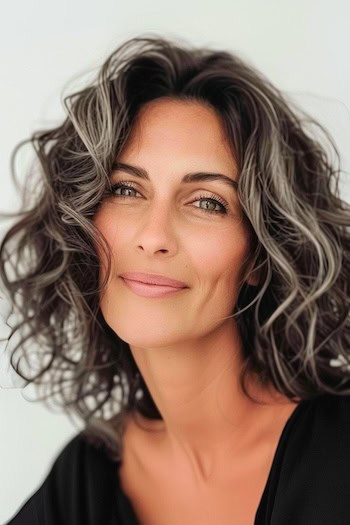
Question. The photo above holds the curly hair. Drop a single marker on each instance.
(296, 319)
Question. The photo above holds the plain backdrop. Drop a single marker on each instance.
(301, 45)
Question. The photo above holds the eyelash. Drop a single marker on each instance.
(212, 198)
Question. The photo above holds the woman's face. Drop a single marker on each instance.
(165, 226)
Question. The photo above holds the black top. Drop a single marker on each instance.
(308, 483)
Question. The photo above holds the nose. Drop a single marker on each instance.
(157, 232)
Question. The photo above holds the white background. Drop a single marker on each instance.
(301, 45)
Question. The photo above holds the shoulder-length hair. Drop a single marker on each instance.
(292, 323)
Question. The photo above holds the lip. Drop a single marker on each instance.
(154, 279)
(151, 290)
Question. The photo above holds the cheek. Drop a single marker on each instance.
(220, 255)
(114, 235)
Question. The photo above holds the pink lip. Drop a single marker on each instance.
(150, 290)
(149, 278)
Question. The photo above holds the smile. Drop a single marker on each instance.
(150, 290)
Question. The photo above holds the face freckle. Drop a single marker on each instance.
(162, 228)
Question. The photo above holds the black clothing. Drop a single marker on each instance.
(308, 483)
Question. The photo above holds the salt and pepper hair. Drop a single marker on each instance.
(294, 323)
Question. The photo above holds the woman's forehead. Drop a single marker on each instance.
(176, 127)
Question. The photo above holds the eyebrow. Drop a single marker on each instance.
(189, 177)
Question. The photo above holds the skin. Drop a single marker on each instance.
(187, 346)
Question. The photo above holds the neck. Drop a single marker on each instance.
(196, 388)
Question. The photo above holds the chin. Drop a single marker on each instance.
(146, 337)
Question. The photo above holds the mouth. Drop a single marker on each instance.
(151, 278)
(151, 290)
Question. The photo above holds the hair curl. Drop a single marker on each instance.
(295, 320)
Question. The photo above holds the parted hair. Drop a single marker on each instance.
(294, 322)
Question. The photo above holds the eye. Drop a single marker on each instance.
(215, 200)
(123, 185)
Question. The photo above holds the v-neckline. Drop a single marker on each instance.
(125, 505)
(287, 428)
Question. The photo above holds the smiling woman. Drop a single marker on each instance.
(188, 271)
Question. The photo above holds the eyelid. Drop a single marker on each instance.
(213, 195)
(225, 207)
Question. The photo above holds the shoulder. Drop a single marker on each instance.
(310, 480)
(320, 423)
(82, 472)
(84, 453)
(317, 447)
(327, 413)
(79, 489)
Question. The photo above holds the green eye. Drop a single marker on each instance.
(214, 199)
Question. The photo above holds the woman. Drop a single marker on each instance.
(188, 275)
